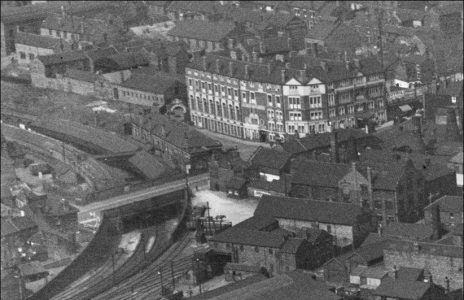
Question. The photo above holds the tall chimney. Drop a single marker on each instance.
(282, 75)
(452, 130)
(334, 145)
(246, 72)
(217, 65)
(380, 229)
(204, 63)
(369, 187)
(436, 222)
(268, 69)
(395, 272)
(230, 69)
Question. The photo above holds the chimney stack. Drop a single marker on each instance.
(204, 63)
(63, 13)
(436, 222)
(452, 130)
(230, 69)
(369, 188)
(324, 65)
(246, 72)
(217, 66)
(380, 230)
(282, 75)
(395, 272)
(334, 145)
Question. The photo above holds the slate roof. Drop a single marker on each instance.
(125, 60)
(147, 164)
(410, 274)
(153, 83)
(270, 158)
(12, 226)
(402, 289)
(371, 252)
(315, 173)
(309, 210)
(202, 30)
(101, 53)
(91, 26)
(63, 57)
(81, 75)
(236, 183)
(256, 223)
(32, 268)
(344, 38)
(275, 185)
(322, 140)
(178, 134)
(458, 158)
(249, 237)
(39, 41)
(448, 204)
(292, 245)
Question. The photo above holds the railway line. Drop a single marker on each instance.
(146, 284)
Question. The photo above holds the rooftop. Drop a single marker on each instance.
(63, 57)
(12, 226)
(432, 249)
(40, 41)
(270, 158)
(153, 83)
(402, 289)
(451, 204)
(244, 236)
(202, 30)
(147, 164)
(309, 210)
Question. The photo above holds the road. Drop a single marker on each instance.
(140, 195)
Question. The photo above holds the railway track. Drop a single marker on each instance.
(148, 282)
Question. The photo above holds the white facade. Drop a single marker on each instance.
(25, 54)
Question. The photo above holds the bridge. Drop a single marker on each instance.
(136, 197)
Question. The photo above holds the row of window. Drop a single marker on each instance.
(74, 36)
(22, 55)
(278, 114)
(141, 96)
(217, 126)
(301, 128)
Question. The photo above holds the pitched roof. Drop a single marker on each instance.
(101, 53)
(371, 252)
(390, 287)
(257, 223)
(315, 173)
(292, 245)
(31, 268)
(124, 60)
(81, 75)
(250, 237)
(39, 41)
(405, 14)
(448, 204)
(236, 182)
(344, 38)
(270, 158)
(63, 57)
(243, 268)
(202, 30)
(75, 24)
(309, 210)
(153, 83)
(458, 158)
(433, 249)
(147, 164)
(321, 30)
(410, 274)
(14, 225)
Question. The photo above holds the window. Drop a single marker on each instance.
(203, 85)
(229, 91)
(237, 113)
(58, 33)
(315, 102)
(451, 216)
(252, 96)
(380, 104)
(341, 111)
(227, 245)
(216, 88)
(270, 251)
(209, 87)
(321, 127)
(244, 97)
(190, 82)
(200, 105)
(294, 102)
(235, 93)
(371, 105)
(291, 128)
(22, 55)
(225, 111)
(269, 100)
(350, 109)
(211, 106)
(344, 98)
(277, 101)
(316, 115)
(331, 99)
(206, 106)
(231, 112)
(301, 129)
(293, 87)
(332, 112)
(256, 249)
(329, 229)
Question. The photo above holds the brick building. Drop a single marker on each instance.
(439, 260)
(451, 213)
(258, 101)
(395, 191)
(348, 223)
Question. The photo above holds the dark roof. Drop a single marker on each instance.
(371, 252)
(202, 30)
(390, 287)
(410, 274)
(432, 249)
(81, 75)
(32, 268)
(101, 53)
(322, 140)
(270, 158)
(73, 24)
(39, 41)
(315, 173)
(344, 38)
(124, 60)
(275, 185)
(250, 237)
(236, 183)
(156, 83)
(14, 225)
(243, 268)
(256, 223)
(63, 57)
(309, 210)
(147, 164)
(448, 204)
(373, 238)
(179, 134)
(410, 14)
(292, 245)
(458, 158)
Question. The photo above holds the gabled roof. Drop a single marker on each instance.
(202, 30)
(402, 289)
(156, 84)
(433, 249)
(74, 24)
(101, 53)
(257, 223)
(147, 164)
(410, 274)
(292, 245)
(270, 158)
(250, 237)
(40, 41)
(451, 204)
(64, 57)
(309, 210)
(203, 7)
(32, 268)
(124, 60)
(315, 173)
(458, 158)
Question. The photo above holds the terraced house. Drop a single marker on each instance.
(263, 99)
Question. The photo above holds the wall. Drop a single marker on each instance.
(439, 266)
(261, 258)
(343, 233)
(30, 50)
